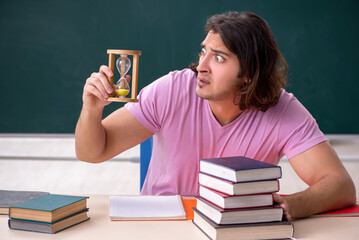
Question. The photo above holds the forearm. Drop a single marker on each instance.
(90, 136)
(331, 192)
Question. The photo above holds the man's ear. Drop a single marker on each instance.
(247, 80)
(243, 76)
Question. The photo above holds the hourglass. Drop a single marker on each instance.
(123, 65)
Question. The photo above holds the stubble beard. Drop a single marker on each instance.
(219, 96)
(202, 95)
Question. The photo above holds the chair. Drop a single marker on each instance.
(145, 157)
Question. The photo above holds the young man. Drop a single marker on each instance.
(232, 103)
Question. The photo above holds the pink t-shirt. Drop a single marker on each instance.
(185, 130)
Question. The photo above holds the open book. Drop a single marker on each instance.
(147, 208)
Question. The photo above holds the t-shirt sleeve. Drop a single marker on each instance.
(151, 104)
(299, 130)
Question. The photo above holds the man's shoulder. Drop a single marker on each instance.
(179, 82)
(165, 99)
(286, 97)
(184, 76)
(287, 108)
(184, 73)
(285, 101)
(290, 109)
(172, 87)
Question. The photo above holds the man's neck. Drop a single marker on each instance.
(224, 112)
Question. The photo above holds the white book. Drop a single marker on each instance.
(147, 208)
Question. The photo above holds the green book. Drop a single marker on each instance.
(48, 208)
(44, 227)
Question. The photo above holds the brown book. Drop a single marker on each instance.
(267, 230)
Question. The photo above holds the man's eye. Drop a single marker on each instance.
(219, 58)
(203, 51)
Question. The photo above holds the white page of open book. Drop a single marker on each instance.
(146, 207)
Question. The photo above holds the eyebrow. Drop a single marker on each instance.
(215, 50)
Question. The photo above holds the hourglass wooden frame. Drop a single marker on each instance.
(134, 78)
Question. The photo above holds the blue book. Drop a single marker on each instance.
(239, 169)
(48, 208)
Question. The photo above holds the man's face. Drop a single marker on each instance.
(218, 70)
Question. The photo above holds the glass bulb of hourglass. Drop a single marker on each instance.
(123, 65)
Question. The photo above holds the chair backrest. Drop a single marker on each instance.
(145, 157)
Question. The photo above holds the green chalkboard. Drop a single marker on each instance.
(49, 48)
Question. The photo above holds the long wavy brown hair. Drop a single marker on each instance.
(250, 38)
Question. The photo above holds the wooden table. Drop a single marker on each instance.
(100, 227)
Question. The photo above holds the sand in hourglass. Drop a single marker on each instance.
(122, 88)
(122, 92)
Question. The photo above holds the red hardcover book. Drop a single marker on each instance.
(226, 201)
(240, 215)
(242, 188)
(352, 211)
(345, 212)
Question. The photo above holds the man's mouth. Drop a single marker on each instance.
(201, 82)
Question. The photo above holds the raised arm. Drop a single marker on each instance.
(330, 186)
(98, 140)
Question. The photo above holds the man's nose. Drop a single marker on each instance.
(203, 64)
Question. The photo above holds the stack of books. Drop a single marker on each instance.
(50, 213)
(236, 200)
